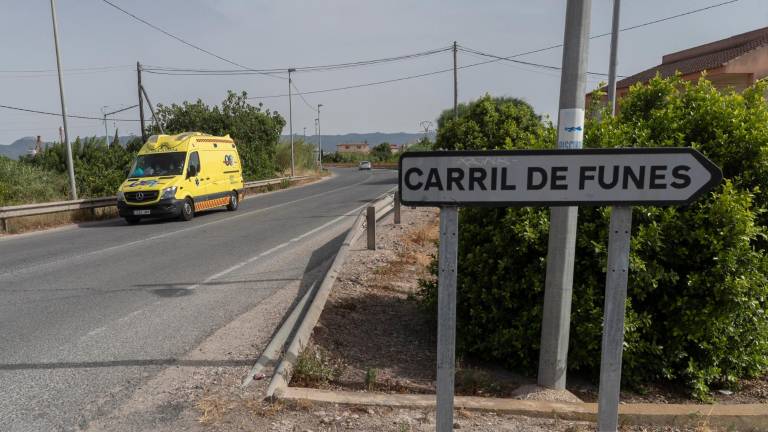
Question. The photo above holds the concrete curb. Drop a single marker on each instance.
(283, 371)
(744, 417)
(277, 344)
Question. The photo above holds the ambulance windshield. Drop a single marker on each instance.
(158, 164)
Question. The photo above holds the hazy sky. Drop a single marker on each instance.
(278, 34)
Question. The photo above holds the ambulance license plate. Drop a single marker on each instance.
(140, 212)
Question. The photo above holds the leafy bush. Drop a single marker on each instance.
(255, 131)
(304, 156)
(21, 183)
(697, 283)
(99, 170)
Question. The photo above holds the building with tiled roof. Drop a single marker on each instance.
(737, 62)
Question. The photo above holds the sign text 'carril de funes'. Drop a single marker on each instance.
(623, 176)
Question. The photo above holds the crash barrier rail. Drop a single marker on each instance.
(10, 212)
(303, 318)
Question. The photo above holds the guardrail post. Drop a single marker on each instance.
(371, 227)
(397, 207)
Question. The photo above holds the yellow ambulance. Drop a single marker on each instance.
(180, 175)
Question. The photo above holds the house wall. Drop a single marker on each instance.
(353, 148)
(754, 62)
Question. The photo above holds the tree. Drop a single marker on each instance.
(116, 139)
(381, 152)
(493, 123)
(256, 131)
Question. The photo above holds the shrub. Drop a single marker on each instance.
(304, 156)
(99, 170)
(313, 368)
(21, 183)
(697, 283)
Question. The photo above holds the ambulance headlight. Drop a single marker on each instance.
(120, 196)
(169, 192)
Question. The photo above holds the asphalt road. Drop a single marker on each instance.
(87, 314)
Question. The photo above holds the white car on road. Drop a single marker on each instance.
(364, 165)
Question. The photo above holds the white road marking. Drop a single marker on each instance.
(240, 265)
(24, 270)
(274, 249)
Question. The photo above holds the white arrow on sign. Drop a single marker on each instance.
(622, 176)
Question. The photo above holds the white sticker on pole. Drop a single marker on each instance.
(570, 133)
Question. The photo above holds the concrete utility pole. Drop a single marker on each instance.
(141, 104)
(290, 118)
(319, 138)
(455, 81)
(613, 58)
(556, 320)
(70, 165)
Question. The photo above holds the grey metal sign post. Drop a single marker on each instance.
(616, 177)
(446, 320)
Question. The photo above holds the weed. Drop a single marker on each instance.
(371, 375)
(314, 367)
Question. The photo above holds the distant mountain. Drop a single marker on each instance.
(399, 138)
(22, 146)
(19, 147)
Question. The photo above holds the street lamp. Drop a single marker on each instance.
(319, 139)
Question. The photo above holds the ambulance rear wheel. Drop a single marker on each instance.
(187, 210)
(233, 202)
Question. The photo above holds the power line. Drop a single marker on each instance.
(298, 92)
(189, 44)
(363, 85)
(645, 24)
(78, 69)
(317, 68)
(59, 114)
(409, 77)
(538, 65)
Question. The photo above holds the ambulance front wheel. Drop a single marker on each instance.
(187, 210)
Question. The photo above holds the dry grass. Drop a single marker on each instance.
(212, 410)
(37, 222)
(410, 256)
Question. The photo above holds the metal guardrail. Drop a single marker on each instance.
(9, 212)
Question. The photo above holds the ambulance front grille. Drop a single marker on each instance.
(143, 196)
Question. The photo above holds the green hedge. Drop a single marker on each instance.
(99, 170)
(21, 183)
(697, 285)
